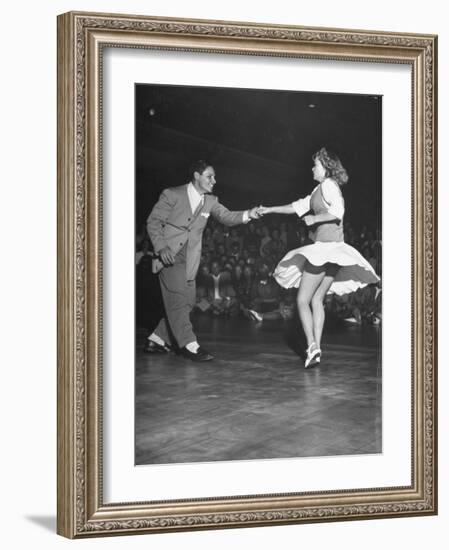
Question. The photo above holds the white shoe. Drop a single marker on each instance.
(313, 356)
(255, 316)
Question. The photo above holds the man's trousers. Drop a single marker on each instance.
(179, 297)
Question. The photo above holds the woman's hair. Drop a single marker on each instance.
(333, 166)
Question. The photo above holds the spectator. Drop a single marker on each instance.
(220, 250)
(266, 238)
(274, 248)
(218, 235)
(265, 297)
(283, 233)
(251, 241)
(203, 275)
(202, 303)
(287, 305)
(246, 285)
(233, 241)
(208, 241)
(246, 255)
(221, 294)
(235, 251)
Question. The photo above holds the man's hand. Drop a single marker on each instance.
(262, 210)
(309, 220)
(166, 255)
(255, 213)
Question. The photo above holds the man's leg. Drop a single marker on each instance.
(191, 289)
(179, 297)
(162, 332)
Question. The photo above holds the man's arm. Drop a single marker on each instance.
(229, 218)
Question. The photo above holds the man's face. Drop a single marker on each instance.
(205, 182)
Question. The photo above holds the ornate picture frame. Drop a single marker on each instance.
(82, 39)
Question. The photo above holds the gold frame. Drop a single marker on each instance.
(81, 37)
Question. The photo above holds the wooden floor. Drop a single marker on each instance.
(256, 400)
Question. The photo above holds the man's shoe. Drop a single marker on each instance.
(200, 355)
(153, 347)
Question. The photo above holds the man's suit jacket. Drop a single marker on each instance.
(171, 223)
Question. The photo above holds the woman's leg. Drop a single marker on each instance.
(318, 307)
(310, 281)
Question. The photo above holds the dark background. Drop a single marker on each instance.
(260, 143)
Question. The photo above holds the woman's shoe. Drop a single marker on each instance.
(313, 356)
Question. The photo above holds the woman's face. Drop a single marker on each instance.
(319, 172)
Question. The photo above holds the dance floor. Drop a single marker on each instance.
(256, 400)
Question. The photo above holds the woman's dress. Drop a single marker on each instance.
(328, 246)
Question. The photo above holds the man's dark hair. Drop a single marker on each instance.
(198, 166)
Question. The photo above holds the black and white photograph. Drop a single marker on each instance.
(258, 274)
(196, 361)
(246, 275)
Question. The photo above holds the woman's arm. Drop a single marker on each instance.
(299, 207)
(286, 209)
(320, 218)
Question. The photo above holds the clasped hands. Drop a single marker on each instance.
(258, 211)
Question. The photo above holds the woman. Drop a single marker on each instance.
(328, 265)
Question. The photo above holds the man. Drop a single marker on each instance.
(221, 293)
(175, 227)
(265, 297)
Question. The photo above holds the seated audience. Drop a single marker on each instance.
(237, 254)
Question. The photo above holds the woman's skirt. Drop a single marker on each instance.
(354, 271)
